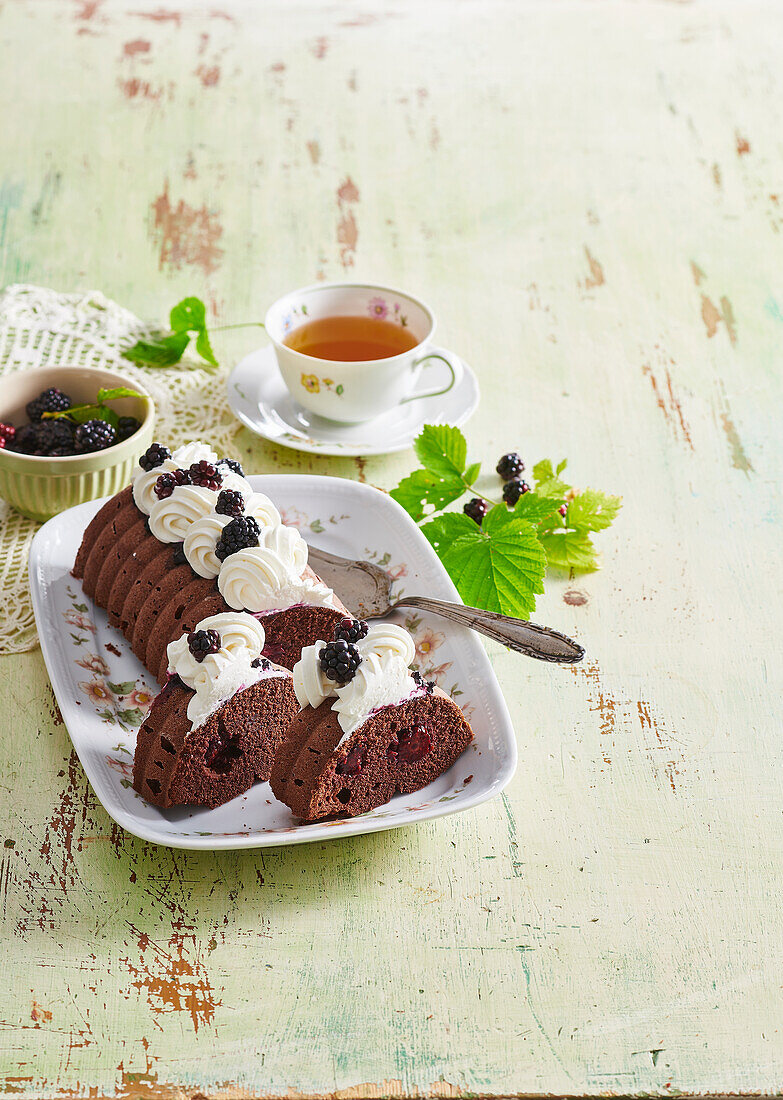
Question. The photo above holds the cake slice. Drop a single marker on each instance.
(368, 727)
(215, 727)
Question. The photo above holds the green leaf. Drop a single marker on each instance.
(204, 348)
(561, 466)
(163, 352)
(442, 449)
(548, 483)
(423, 487)
(125, 688)
(499, 566)
(592, 510)
(534, 508)
(189, 315)
(472, 473)
(570, 550)
(113, 394)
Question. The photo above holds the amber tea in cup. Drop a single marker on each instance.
(350, 339)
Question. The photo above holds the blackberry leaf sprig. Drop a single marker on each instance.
(497, 553)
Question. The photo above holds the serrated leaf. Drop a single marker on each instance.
(423, 487)
(442, 449)
(499, 566)
(548, 483)
(533, 507)
(204, 348)
(592, 510)
(113, 394)
(472, 473)
(561, 466)
(189, 315)
(161, 353)
(570, 550)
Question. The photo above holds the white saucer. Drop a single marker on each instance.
(259, 398)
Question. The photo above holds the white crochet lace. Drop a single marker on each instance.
(40, 327)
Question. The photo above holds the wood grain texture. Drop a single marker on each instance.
(591, 195)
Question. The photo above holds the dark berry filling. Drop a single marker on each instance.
(221, 754)
(353, 763)
(411, 745)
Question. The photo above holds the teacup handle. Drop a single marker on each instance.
(451, 361)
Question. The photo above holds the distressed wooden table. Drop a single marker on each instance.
(591, 195)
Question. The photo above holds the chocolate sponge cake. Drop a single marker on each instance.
(368, 727)
(191, 528)
(215, 727)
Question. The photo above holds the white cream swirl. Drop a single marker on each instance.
(143, 482)
(310, 685)
(288, 545)
(231, 480)
(379, 681)
(221, 675)
(261, 508)
(200, 542)
(249, 578)
(195, 451)
(388, 640)
(171, 518)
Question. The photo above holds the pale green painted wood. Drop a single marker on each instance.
(591, 195)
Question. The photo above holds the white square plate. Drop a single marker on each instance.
(103, 690)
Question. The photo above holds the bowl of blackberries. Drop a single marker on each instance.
(69, 434)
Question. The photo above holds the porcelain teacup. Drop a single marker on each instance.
(355, 391)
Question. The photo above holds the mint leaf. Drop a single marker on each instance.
(442, 449)
(535, 508)
(472, 473)
(204, 348)
(159, 353)
(592, 510)
(111, 395)
(189, 315)
(423, 487)
(499, 566)
(570, 550)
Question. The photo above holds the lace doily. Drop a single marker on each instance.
(40, 327)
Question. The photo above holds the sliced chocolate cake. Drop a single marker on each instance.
(215, 727)
(368, 727)
(189, 528)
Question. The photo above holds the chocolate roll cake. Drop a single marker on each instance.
(368, 728)
(190, 537)
(215, 727)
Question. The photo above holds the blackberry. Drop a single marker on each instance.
(230, 503)
(204, 474)
(351, 630)
(417, 678)
(262, 663)
(178, 557)
(232, 465)
(168, 481)
(514, 489)
(127, 426)
(26, 439)
(476, 509)
(510, 466)
(154, 456)
(50, 401)
(237, 535)
(339, 661)
(55, 435)
(203, 642)
(94, 435)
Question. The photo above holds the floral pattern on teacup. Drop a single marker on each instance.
(379, 308)
(313, 384)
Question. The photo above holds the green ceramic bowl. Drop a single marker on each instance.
(41, 487)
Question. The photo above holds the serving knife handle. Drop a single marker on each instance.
(540, 642)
